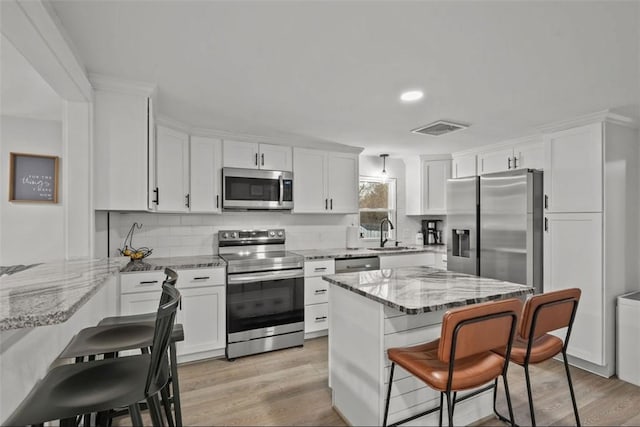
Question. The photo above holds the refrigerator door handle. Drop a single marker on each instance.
(546, 224)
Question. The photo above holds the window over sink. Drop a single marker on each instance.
(377, 201)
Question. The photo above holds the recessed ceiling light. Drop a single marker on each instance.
(411, 95)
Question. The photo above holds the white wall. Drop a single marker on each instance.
(30, 232)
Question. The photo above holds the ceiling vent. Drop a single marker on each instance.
(439, 128)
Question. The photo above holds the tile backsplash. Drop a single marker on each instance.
(188, 235)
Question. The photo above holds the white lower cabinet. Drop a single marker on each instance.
(316, 297)
(203, 307)
(573, 259)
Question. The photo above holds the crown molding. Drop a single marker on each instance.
(128, 87)
(599, 116)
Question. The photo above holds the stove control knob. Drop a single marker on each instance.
(234, 235)
(272, 233)
(280, 233)
(225, 235)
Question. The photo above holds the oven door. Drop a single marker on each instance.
(256, 189)
(264, 304)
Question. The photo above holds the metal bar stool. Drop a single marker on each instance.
(121, 333)
(82, 388)
(461, 359)
(533, 344)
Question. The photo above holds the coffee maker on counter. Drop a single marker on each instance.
(432, 232)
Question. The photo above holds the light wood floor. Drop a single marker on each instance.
(289, 387)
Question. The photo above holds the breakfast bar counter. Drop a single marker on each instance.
(372, 311)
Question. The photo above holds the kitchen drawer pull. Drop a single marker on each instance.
(321, 318)
(509, 163)
(149, 282)
(256, 159)
(262, 157)
(202, 278)
(320, 291)
(320, 269)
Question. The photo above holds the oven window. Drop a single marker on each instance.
(263, 304)
(258, 189)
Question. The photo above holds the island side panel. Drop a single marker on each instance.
(410, 395)
(355, 348)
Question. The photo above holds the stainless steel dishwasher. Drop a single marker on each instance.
(351, 265)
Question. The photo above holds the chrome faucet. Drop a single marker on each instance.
(383, 241)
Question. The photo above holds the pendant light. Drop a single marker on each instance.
(384, 175)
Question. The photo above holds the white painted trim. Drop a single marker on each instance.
(502, 144)
(162, 120)
(430, 157)
(34, 30)
(129, 87)
(600, 116)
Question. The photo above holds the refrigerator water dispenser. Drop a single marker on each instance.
(461, 243)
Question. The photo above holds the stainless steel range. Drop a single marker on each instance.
(265, 292)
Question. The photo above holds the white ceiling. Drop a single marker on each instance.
(333, 70)
(23, 92)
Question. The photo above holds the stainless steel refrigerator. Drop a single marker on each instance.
(495, 226)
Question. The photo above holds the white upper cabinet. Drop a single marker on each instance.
(496, 161)
(205, 173)
(237, 154)
(342, 182)
(309, 185)
(172, 170)
(276, 157)
(123, 126)
(529, 156)
(251, 155)
(573, 170)
(325, 182)
(463, 166)
(426, 185)
(518, 156)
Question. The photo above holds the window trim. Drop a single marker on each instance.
(392, 211)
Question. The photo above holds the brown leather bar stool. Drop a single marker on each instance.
(461, 359)
(121, 333)
(82, 388)
(533, 344)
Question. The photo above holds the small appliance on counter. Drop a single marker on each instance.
(432, 232)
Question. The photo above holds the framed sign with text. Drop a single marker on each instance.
(33, 178)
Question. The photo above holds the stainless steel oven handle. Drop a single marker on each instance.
(263, 276)
(281, 198)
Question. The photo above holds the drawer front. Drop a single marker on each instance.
(197, 278)
(315, 290)
(148, 281)
(316, 317)
(319, 268)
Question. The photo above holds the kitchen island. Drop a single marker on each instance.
(41, 308)
(374, 310)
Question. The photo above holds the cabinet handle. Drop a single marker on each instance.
(508, 162)
(217, 201)
(546, 224)
(201, 278)
(320, 269)
(320, 291)
(515, 162)
(326, 204)
(546, 201)
(149, 282)
(187, 202)
(256, 159)
(331, 204)
(262, 158)
(321, 318)
(157, 200)
(456, 170)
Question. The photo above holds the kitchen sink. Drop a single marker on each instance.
(391, 248)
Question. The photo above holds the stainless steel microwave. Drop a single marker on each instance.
(245, 189)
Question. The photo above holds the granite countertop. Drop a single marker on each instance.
(311, 254)
(415, 290)
(178, 263)
(51, 293)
